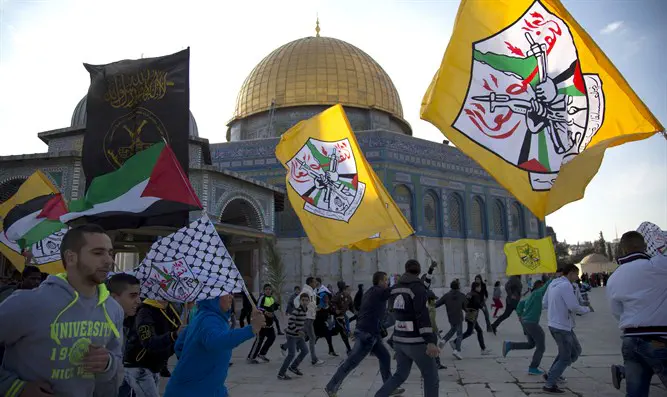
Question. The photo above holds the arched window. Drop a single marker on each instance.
(455, 209)
(403, 198)
(477, 215)
(517, 220)
(498, 218)
(431, 212)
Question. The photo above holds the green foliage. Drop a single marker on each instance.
(275, 269)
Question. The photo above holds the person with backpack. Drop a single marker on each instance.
(474, 304)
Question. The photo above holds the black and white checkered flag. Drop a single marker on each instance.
(655, 238)
(191, 264)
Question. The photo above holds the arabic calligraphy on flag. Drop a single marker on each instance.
(189, 265)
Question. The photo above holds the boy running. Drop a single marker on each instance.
(295, 339)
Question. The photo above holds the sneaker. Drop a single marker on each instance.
(440, 366)
(561, 379)
(295, 371)
(457, 354)
(617, 376)
(535, 371)
(486, 352)
(553, 390)
(318, 363)
(507, 346)
(397, 392)
(284, 377)
(253, 361)
(263, 358)
(330, 393)
(333, 354)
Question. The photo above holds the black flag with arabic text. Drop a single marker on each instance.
(133, 104)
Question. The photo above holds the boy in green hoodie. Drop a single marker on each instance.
(529, 311)
(66, 335)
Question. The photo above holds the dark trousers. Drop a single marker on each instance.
(246, 313)
(293, 344)
(364, 344)
(263, 342)
(342, 330)
(406, 354)
(275, 319)
(480, 334)
(510, 306)
(536, 339)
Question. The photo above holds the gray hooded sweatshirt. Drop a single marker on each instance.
(46, 332)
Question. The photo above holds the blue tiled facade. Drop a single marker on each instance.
(442, 192)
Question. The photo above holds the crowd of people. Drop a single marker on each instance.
(94, 335)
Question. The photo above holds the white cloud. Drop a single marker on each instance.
(612, 27)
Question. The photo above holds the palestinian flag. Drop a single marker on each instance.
(149, 184)
(35, 219)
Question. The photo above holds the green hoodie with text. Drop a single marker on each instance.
(46, 333)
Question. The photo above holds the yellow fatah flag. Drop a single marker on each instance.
(332, 188)
(525, 91)
(46, 253)
(528, 256)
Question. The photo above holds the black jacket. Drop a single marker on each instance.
(151, 339)
(408, 304)
(372, 310)
(455, 302)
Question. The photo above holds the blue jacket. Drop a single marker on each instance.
(204, 350)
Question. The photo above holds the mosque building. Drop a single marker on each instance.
(461, 216)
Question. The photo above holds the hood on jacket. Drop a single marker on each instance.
(407, 278)
(212, 306)
(60, 281)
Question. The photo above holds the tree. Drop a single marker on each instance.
(275, 270)
(601, 246)
(562, 250)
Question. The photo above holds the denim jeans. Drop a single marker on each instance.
(569, 350)
(536, 337)
(480, 333)
(143, 382)
(485, 311)
(458, 330)
(643, 357)
(405, 355)
(364, 344)
(309, 327)
(125, 390)
(293, 344)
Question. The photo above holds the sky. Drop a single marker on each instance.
(43, 45)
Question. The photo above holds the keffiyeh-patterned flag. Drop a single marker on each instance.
(189, 265)
(656, 238)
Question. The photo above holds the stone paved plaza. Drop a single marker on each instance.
(474, 376)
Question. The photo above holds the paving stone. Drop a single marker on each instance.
(474, 376)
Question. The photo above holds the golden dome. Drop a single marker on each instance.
(317, 71)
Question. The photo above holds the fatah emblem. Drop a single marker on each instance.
(324, 174)
(528, 101)
(175, 281)
(529, 256)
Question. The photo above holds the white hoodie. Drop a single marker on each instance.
(312, 306)
(563, 305)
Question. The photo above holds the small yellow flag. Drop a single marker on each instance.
(46, 253)
(337, 196)
(525, 91)
(528, 256)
